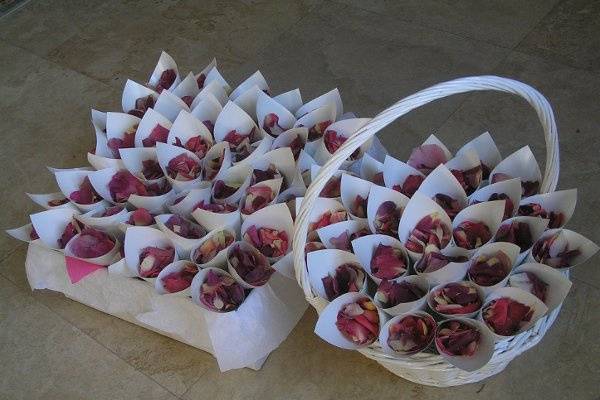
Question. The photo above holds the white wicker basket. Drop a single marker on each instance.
(431, 369)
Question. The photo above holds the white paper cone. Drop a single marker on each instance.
(70, 181)
(326, 328)
(99, 162)
(511, 250)
(119, 123)
(305, 164)
(379, 195)
(207, 108)
(273, 184)
(563, 201)
(335, 230)
(537, 226)
(483, 353)
(123, 226)
(332, 97)
(212, 64)
(558, 284)
(100, 180)
(275, 216)
(265, 105)
(369, 167)
(321, 206)
(326, 114)
(574, 240)
(213, 89)
(108, 224)
(432, 139)
(441, 180)
(99, 121)
(197, 285)
(154, 204)
(246, 247)
(148, 123)
(190, 199)
(247, 100)
(282, 159)
(522, 297)
(211, 220)
(452, 272)
(263, 147)
(105, 259)
(165, 153)
(343, 128)
(55, 170)
(233, 118)
(256, 79)
(21, 233)
(291, 100)
(134, 158)
(510, 187)
(101, 148)
(183, 245)
(486, 150)
(173, 267)
(441, 315)
(322, 263)
(395, 172)
(165, 62)
(411, 306)
(384, 334)
(490, 213)
(43, 200)
(287, 137)
(137, 238)
(188, 87)
(221, 148)
(187, 126)
(133, 91)
(238, 174)
(465, 161)
(215, 76)
(50, 225)
(365, 246)
(220, 259)
(520, 164)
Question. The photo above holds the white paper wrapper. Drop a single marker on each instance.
(21, 233)
(326, 328)
(322, 114)
(574, 240)
(343, 128)
(134, 158)
(483, 353)
(537, 226)
(322, 263)
(256, 79)
(563, 201)
(50, 225)
(430, 301)
(334, 230)
(418, 208)
(215, 76)
(215, 152)
(99, 121)
(187, 126)
(43, 200)
(211, 220)
(123, 226)
(165, 62)
(522, 297)
(282, 159)
(214, 90)
(369, 167)
(108, 224)
(199, 279)
(119, 123)
(453, 271)
(183, 245)
(510, 187)
(238, 174)
(464, 161)
(165, 153)
(432, 139)
(149, 122)
(187, 87)
(100, 180)
(511, 250)
(285, 138)
(274, 184)
(558, 284)
(384, 334)
(219, 260)
(206, 70)
(69, 181)
(246, 247)
(486, 150)
(321, 206)
(105, 259)
(190, 199)
(351, 187)
(305, 166)
(207, 108)
(137, 238)
(490, 213)
(395, 172)
(275, 216)
(266, 105)
(248, 99)
(378, 195)
(154, 204)
(173, 267)
(441, 180)
(99, 162)
(55, 170)
(520, 164)
(233, 118)
(133, 91)
(292, 100)
(101, 148)
(332, 97)
(411, 306)
(365, 246)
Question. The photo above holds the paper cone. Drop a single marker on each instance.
(432, 139)
(537, 226)
(189, 199)
(207, 108)
(197, 284)
(55, 170)
(247, 100)
(344, 128)
(119, 123)
(365, 246)
(522, 297)
(329, 232)
(215, 75)
(133, 91)
(246, 247)
(211, 220)
(169, 269)
(154, 204)
(256, 79)
(291, 100)
(187, 126)
(379, 195)
(105, 259)
(369, 167)
(22, 233)
(384, 334)
(100, 180)
(282, 159)
(165, 62)
(265, 105)
(101, 148)
(483, 353)
(137, 238)
(148, 123)
(211, 89)
(169, 105)
(465, 161)
(238, 174)
(510, 187)
(332, 97)
(99, 162)
(188, 87)
(217, 150)
(220, 259)
(43, 200)
(50, 225)
(325, 114)
(69, 181)
(322, 263)
(441, 315)
(134, 158)
(165, 153)
(511, 250)
(452, 272)
(99, 121)
(273, 184)
(108, 224)
(233, 118)
(395, 172)
(403, 308)
(321, 206)
(489, 213)
(574, 240)
(287, 137)
(305, 163)
(183, 245)
(520, 164)
(563, 201)
(260, 148)
(275, 216)
(212, 64)
(441, 180)
(486, 150)
(558, 284)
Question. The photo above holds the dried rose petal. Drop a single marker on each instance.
(456, 298)
(184, 228)
(528, 188)
(341, 242)
(327, 218)
(270, 242)
(250, 265)
(71, 229)
(427, 157)
(216, 208)
(309, 247)
(457, 338)
(346, 278)
(516, 232)
(508, 204)
(333, 141)
(271, 124)
(296, 146)
(434, 260)
(489, 270)
(213, 166)
(388, 262)
(183, 168)
(332, 189)
(157, 189)
(257, 197)
(196, 144)
(359, 322)
(123, 184)
(153, 260)
(378, 179)
(158, 134)
(142, 104)
(57, 202)
(126, 142)
(554, 252)
(410, 186)
(86, 193)
(91, 243)
(359, 208)
(240, 144)
(223, 190)
(449, 204)
(429, 231)
(166, 80)
(213, 246)
(390, 293)
(529, 282)
(259, 175)
(506, 316)
(111, 211)
(200, 81)
(316, 131)
(471, 234)
(221, 293)
(141, 217)
(151, 169)
(556, 218)
(411, 334)
(387, 218)
(33, 235)
(469, 179)
(180, 280)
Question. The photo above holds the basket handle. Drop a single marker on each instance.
(402, 107)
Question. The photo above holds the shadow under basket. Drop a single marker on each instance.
(429, 368)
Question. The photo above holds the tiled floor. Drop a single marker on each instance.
(59, 57)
